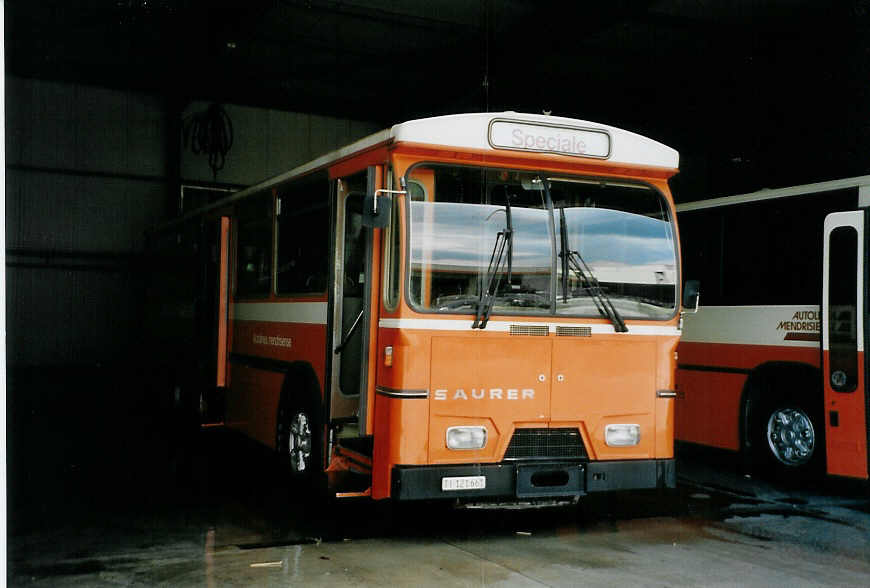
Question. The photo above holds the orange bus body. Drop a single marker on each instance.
(424, 373)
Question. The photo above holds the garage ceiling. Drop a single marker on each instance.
(753, 93)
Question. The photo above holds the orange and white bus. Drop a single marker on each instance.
(772, 365)
(474, 307)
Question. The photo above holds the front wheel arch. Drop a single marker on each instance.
(787, 392)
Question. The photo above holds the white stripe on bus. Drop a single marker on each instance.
(753, 325)
(505, 326)
(313, 313)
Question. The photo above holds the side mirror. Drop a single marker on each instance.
(691, 296)
(376, 210)
(376, 204)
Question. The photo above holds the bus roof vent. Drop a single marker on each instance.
(533, 330)
(573, 331)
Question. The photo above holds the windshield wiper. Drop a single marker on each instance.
(502, 250)
(571, 260)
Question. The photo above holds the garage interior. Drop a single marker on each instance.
(102, 98)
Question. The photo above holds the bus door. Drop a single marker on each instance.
(843, 361)
(351, 313)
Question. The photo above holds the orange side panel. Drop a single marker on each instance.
(400, 431)
(223, 286)
(708, 408)
(381, 466)
(252, 403)
(847, 442)
(411, 361)
(283, 341)
(664, 407)
(401, 437)
(664, 446)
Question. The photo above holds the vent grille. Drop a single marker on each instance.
(573, 331)
(534, 330)
(546, 444)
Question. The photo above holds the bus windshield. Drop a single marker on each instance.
(526, 243)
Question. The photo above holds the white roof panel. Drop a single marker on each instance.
(554, 134)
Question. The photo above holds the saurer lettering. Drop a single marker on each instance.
(484, 393)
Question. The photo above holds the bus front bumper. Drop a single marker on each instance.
(530, 480)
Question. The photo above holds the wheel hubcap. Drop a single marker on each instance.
(791, 436)
(299, 442)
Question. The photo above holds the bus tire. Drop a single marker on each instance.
(789, 440)
(299, 438)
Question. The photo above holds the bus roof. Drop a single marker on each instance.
(768, 194)
(491, 131)
(537, 133)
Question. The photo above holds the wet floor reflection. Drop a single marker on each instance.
(222, 510)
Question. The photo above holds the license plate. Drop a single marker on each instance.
(463, 483)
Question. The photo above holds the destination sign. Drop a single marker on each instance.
(542, 138)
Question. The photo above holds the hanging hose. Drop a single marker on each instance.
(209, 132)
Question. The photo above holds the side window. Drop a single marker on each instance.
(769, 248)
(759, 252)
(302, 229)
(701, 237)
(843, 308)
(254, 246)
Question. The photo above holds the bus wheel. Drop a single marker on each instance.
(298, 441)
(791, 436)
(791, 439)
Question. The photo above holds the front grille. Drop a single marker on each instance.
(573, 331)
(534, 330)
(546, 444)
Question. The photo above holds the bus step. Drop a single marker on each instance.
(361, 445)
(347, 484)
(346, 459)
(216, 425)
(364, 494)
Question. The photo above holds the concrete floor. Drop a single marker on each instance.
(100, 501)
(235, 522)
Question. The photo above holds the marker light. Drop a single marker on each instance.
(388, 356)
(466, 437)
(622, 435)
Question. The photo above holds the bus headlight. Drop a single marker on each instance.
(622, 435)
(466, 437)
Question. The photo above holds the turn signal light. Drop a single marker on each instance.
(388, 356)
